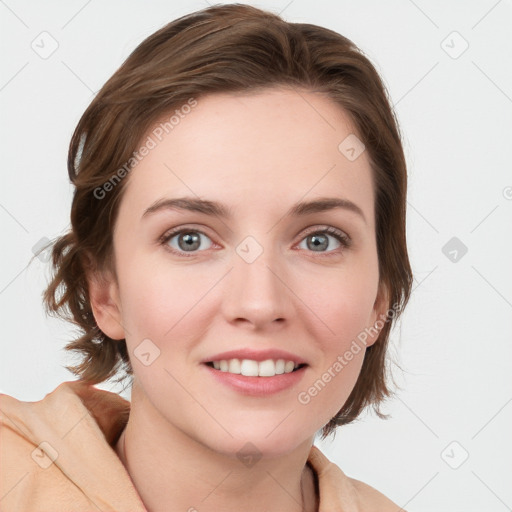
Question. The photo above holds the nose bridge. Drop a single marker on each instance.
(256, 290)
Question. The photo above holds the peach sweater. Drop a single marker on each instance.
(57, 455)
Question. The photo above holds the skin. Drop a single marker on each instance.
(258, 154)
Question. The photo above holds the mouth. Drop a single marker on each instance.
(252, 368)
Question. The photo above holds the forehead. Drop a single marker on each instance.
(252, 151)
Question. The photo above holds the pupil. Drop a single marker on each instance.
(191, 241)
(316, 241)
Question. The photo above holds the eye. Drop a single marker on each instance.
(185, 240)
(319, 240)
(189, 240)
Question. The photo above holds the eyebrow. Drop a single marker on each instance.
(217, 209)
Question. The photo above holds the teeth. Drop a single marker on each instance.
(289, 366)
(250, 368)
(267, 368)
(234, 366)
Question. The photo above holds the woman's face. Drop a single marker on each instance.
(255, 282)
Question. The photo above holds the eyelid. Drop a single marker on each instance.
(331, 230)
(187, 227)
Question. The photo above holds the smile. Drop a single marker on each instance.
(252, 368)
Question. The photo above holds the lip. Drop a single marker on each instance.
(255, 355)
(256, 386)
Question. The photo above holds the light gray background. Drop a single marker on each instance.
(455, 111)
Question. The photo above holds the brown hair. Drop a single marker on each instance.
(228, 48)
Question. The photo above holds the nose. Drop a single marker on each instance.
(256, 293)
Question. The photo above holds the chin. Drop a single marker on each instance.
(266, 437)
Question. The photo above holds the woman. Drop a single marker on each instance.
(238, 247)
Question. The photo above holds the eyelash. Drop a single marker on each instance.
(344, 240)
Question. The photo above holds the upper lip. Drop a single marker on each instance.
(255, 355)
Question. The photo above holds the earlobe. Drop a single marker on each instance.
(105, 304)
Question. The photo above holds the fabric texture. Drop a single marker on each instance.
(57, 455)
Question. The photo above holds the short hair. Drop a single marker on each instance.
(223, 49)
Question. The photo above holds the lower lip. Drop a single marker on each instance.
(257, 386)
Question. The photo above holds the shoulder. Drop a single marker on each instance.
(55, 452)
(62, 407)
(27, 474)
(371, 499)
(336, 489)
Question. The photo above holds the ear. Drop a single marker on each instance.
(105, 304)
(379, 314)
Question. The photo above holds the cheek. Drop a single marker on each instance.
(338, 313)
(341, 309)
(159, 302)
(327, 389)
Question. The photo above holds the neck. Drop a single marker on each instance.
(173, 472)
